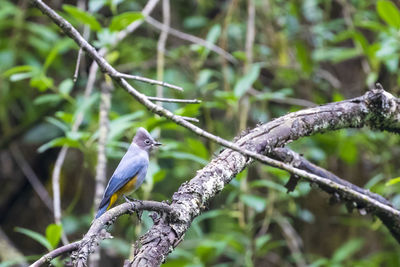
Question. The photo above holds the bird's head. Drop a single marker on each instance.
(144, 140)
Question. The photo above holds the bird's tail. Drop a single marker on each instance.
(102, 208)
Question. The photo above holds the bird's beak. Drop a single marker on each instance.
(157, 143)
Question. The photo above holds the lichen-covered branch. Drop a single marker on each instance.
(376, 109)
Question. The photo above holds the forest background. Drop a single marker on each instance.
(281, 56)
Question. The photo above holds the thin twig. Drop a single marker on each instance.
(150, 81)
(174, 100)
(162, 40)
(56, 189)
(86, 32)
(101, 167)
(192, 39)
(187, 118)
(244, 104)
(78, 63)
(31, 176)
(284, 100)
(293, 241)
(55, 253)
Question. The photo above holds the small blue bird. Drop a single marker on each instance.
(131, 171)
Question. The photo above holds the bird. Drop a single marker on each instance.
(130, 172)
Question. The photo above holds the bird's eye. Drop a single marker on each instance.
(147, 142)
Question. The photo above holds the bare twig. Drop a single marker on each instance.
(101, 167)
(173, 100)
(188, 118)
(56, 189)
(55, 253)
(162, 40)
(31, 176)
(150, 81)
(78, 63)
(293, 241)
(191, 38)
(244, 104)
(250, 33)
(285, 100)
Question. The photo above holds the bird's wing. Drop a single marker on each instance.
(129, 167)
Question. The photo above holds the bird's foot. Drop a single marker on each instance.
(133, 202)
(129, 199)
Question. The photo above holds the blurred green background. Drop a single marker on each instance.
(304, 53)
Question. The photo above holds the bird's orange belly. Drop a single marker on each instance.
(128, 187)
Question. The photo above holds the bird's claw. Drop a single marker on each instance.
(133, 205)
(129, 199)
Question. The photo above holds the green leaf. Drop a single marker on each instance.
(35, 236)
(303, 56)
(346, 250)
(66, 86)
(20, 76)
(64, 127)
(256, 202)
(348, 150)
(53, 234)
(83, 17)
(393, 181)
(58, 48)
(76, 136)
(47, 99)
(214, 33)
(247, 81)
(336, 54)
(195, 22)
(121, 21)
(388, 12)
(84, 104)
(241, 55)
(262, 240)
(183, 155)
(269, 184)
(57, 142)
(18, 69)
(41, 82)
(197, 147)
